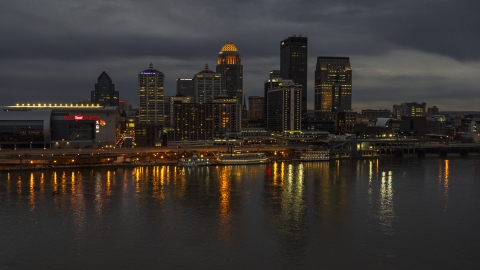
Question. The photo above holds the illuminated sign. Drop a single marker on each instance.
(79, 117)
(148, 73)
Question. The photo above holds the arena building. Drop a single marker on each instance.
(58, 126)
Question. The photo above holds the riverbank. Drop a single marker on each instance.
(28, 167)
(38, 159)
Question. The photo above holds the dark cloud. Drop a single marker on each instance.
(52, 47)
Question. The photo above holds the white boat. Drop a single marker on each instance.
(315, 155)
(240, 158)
(194, 161)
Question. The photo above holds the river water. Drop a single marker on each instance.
(405, 213)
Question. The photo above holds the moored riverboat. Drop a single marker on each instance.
(194, 161)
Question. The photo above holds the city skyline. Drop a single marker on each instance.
(401, 52)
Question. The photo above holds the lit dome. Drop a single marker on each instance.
(229, 47)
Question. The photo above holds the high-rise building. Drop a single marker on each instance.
(105, 94)
(333, 85)
(151, 92)
(273, 81)
(231, 69)
(284, 107)
(293, 64)
(255, 108)
(168, 102)
(185, 87)
(192, 121)
(206, 121)
(206, 85)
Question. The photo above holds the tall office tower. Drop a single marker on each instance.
(255, 108)
(293, 64)
(231, 69)
(273, 81)
(151, 91)
(284, 107)
(185, 87)
(333, 85)
(206, 85)
(105, 94)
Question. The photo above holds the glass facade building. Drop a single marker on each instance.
(294, 63)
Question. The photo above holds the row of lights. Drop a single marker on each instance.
(59, 105)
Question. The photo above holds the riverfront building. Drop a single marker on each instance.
(293, 65)
(284, 108)
(105, 94)
(220, 118)
(58, 126)
(150, 93)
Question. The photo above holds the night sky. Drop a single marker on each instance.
(400, 51)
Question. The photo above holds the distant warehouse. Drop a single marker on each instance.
(58, 126)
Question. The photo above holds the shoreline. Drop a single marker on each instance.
(25, 167)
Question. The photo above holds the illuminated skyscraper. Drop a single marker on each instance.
(231, 69)
(333, 85)
(151, 91)
(293, 64)
(105, 94)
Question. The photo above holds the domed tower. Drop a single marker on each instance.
(231, 69)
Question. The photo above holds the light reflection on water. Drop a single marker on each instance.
(386, 212)
(296, 215)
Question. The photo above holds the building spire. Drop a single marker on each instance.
(151, 65)
(206, 66)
